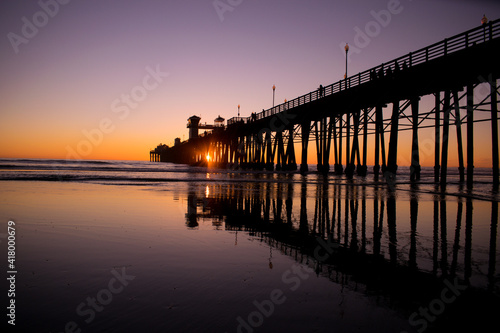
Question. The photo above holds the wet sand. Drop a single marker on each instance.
(291, 256)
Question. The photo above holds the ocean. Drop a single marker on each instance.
(136, 246)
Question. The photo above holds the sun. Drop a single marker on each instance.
(208, 157)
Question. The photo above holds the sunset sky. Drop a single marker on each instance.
(112, 79)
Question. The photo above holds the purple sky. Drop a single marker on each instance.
(63, 80)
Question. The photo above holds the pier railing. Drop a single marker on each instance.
(470, 38)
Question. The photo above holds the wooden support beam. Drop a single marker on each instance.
(356, 139)
(382, 141)
(437, 135)
(319, 157)
(355, 142)
(458, 124)
(348, 167)
(446, 129)
(305, 129)
(339, 168)
(280, 160)
(323, 138)
(494, 132)
(415, 154)
(363, 170)
(470, 135)
(291, 163)
(335, 147)
(378, 121)
(326, 160)
(392, 162)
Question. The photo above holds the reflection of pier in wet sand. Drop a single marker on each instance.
(401, 252)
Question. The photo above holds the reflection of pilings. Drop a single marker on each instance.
(191, 215)
(250, 206)
(354, 218)
(468, 240)
(435, 243)
(303, 224)
(278, 204)
(377, 222)
(456, 243)
(444, 242)
(339, 212)
(493, 245)
(321, 222)
(413, 235)
(346, 217)
(363, 219)
(267, 202)
(391, 223)
(289, 203)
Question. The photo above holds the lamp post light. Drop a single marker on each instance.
(484, 22)
(238, 110)
(274, 88)
(346, 48)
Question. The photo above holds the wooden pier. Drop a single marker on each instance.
(450, 70)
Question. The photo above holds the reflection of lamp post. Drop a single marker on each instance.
(238, 110)
(346, 48)
(274, 88)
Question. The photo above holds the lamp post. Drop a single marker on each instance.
(274, 88)
(484, 22)
(346, 48)
(238, 110)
